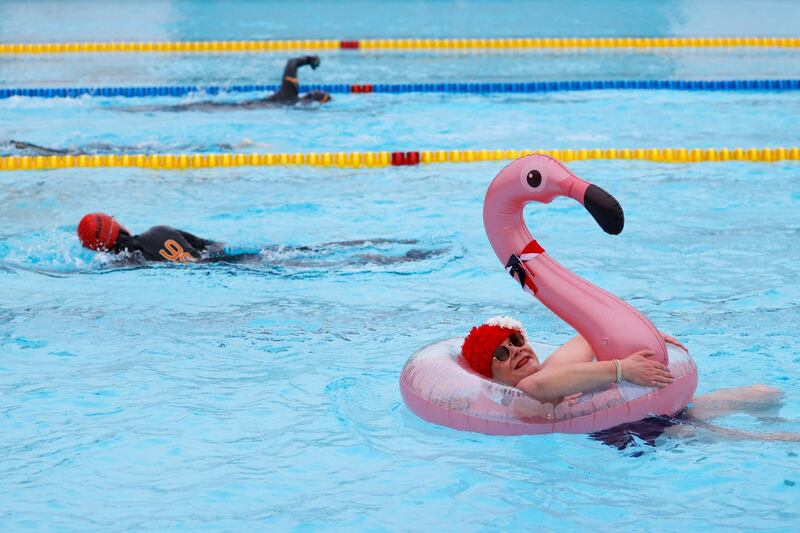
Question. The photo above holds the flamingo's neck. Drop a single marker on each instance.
(612, 328)
(505, 217)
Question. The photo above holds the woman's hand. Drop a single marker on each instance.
(673, 340)
(640, 369)
(570, 398)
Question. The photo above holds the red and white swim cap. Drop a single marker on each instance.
(479, 346)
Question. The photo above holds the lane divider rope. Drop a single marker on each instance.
(385, 159)
(400, 88)
(398, 44)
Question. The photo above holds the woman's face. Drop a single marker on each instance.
(521, 363)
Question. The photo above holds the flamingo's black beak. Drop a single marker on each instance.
(605, 209)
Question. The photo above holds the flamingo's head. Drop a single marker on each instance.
(540, 178)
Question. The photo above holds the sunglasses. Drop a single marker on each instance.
(502, 353)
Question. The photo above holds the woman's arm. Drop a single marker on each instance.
(575, 350)
(672, 340)
(555, 382)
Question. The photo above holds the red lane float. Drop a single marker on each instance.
(405, 158)
(361, 88)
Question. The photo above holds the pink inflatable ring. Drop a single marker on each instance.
(438, 386)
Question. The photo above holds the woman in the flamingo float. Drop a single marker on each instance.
(499, 350)
(618, 370)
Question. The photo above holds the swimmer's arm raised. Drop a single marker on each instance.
(556, 382)
(289, 82)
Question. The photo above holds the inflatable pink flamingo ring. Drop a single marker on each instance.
(438, 385)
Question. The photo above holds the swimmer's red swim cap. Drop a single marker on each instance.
(479, 346)
(98, 231)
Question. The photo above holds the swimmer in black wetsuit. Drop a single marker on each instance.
(287, 94)
(34, 148)
(15, 148)
(102, 233)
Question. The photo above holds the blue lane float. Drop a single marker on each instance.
(401, 88)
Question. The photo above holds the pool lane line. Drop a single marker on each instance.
(461, 44)
(385, 159)
(404, 88)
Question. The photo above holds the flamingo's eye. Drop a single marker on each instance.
(534, 178)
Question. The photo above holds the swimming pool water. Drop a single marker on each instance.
(265, 395)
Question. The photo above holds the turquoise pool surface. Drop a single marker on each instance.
(265, 395)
